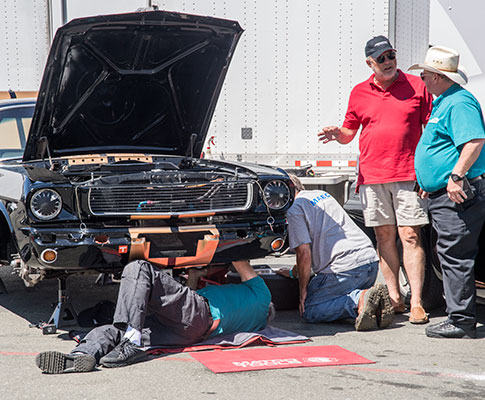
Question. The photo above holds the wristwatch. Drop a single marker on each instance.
(456, 177)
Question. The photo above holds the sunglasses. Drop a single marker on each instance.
(391, 56)
(423, 75)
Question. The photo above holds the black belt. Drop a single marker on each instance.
(477, 178)
(443, 190)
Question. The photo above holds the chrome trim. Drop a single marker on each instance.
(277, 181)
(44, 260)
(16, 106)
(50, 217)
(246, 206)
(282, 244)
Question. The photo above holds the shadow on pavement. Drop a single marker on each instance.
(37, 303)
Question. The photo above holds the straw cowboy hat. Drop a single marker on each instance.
(444, 61)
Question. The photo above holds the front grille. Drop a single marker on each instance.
(170, 199)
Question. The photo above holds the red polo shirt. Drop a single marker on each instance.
(391, 122)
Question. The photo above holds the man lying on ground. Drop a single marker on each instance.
(153, 309)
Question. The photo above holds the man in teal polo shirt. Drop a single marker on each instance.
(153, 309)
(449, 164)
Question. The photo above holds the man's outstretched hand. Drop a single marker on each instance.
(329, 134)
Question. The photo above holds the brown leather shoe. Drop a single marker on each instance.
(418, 315)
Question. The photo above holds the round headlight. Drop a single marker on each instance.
(276, 194)
(46, 204)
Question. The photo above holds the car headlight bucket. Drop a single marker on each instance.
(46, 204)
(276, 194)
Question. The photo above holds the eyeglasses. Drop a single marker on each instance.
(390, 56)
(423, 75)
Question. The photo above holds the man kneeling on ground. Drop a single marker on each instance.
(330, 244)
(154, 310)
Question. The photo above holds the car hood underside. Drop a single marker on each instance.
(145, 82)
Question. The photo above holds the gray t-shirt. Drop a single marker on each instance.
(337, 243)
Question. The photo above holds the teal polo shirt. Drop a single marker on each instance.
(241, 307)
(455, 120)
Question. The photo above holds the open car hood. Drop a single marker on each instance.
(144, 82)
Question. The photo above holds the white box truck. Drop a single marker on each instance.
(291, 74)
(25, 44)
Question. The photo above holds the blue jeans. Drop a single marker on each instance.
(336, 296)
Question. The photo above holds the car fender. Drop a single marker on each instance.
(6, 216)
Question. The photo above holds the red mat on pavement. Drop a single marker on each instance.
(277, 357)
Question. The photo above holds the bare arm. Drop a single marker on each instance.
(244, 269)
(193, 277)
(468, 156)
(304, 268)
(341, 135)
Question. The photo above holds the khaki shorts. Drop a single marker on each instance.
(388, 203)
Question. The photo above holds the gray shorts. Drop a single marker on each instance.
(393, 203)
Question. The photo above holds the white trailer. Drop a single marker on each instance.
(292, 72)
(454, 23)
(26, 31)
(24, 27)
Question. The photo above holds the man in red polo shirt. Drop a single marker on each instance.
(391, 107)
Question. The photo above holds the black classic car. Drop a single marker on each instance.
(110, 170)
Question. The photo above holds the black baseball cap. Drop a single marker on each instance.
(377, 45)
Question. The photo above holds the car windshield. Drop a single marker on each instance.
(15, 123)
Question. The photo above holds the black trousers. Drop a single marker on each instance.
(151, 301)
(458, 227)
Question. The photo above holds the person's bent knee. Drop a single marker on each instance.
(308, 317)
(314, 316)
(316, 319)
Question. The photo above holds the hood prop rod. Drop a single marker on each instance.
(44, 148)
(188, 161)
(190, 150)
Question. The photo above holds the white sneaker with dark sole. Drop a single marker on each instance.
(55, 362)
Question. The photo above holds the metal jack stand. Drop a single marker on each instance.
(64, 315)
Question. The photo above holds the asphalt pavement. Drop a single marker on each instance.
(407, 363)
